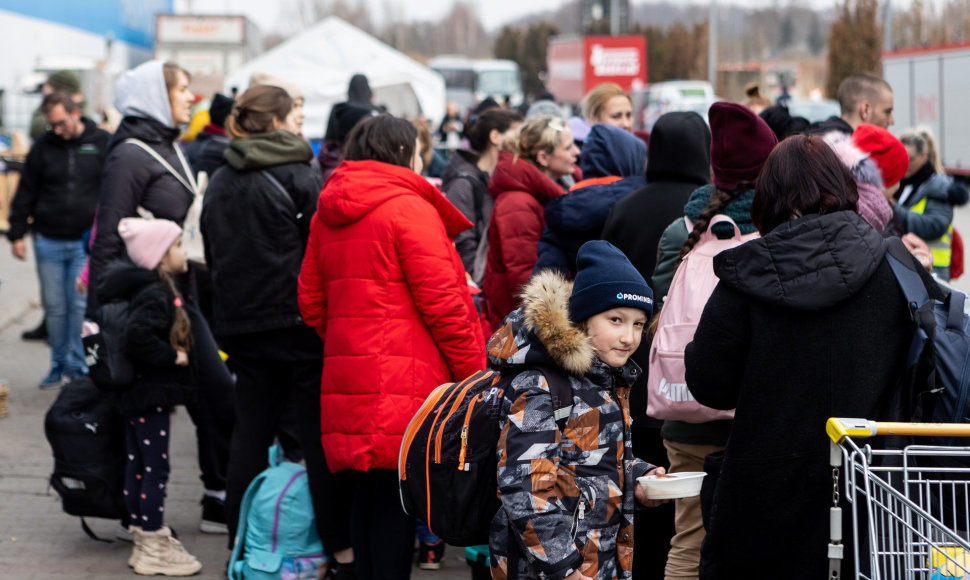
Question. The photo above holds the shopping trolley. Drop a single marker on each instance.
(909, 506)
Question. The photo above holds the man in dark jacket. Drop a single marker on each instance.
(59, 189)
(863, 98)
(678, 162)
(205, 152)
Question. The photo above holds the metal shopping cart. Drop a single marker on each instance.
(909, 507)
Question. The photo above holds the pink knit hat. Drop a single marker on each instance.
(148, 240)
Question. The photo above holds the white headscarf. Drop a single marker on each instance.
(141, 92)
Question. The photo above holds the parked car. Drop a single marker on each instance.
(814, 110)
(659, 98)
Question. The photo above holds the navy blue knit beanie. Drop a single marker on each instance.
(606, 279)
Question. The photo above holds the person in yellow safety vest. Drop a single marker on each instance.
(925, 200)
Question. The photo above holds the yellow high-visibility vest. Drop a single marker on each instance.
(940, 247)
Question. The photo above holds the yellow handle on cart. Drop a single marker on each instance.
(840, 428)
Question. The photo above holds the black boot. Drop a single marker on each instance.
(39, 333)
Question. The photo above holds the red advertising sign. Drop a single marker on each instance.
(577, 65)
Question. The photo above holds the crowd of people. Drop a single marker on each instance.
(341, 288)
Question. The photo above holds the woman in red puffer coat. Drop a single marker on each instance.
(522, 185)
(383, 285)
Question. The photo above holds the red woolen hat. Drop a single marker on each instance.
(740, 144)
(885, 150)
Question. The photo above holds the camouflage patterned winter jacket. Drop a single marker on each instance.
(568, 495)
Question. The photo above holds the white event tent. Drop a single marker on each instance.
(321, 60)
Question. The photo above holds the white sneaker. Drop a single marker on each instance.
(163, 554)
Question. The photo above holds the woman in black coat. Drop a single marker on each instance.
(155, 100)
(806, 323)
(255, 226)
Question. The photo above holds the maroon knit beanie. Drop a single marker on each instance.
(740, 144)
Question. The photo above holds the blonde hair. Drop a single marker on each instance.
(922, 139)
(538, 133)
(596, 100)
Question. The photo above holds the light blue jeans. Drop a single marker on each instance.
(59, 263)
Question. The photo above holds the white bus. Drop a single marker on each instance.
(469, 81)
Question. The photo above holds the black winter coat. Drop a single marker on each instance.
(255, 236)
(151, 313)
(133, 178)
(205, 152)
(806, 323)
(678, 162)
(60, 185)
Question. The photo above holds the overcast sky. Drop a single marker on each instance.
(493, 13)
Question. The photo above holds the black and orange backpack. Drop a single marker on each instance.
(448, 461)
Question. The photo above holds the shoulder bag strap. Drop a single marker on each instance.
(910, 282)
(188, 183)
(276, 184)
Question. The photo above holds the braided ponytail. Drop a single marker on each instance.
(720, 199)
(718, 202)
(181, 333)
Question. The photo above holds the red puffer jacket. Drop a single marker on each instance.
(384, 287)
(521, 192)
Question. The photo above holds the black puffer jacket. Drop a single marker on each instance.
(255, 235)
(133, 178)
(806, 323)
(60, 185)
(151, 313)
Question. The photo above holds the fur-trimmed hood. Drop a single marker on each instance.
(540, 332)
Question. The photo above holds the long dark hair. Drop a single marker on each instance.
(801, 176)
(478, 132)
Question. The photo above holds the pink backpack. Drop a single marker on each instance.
(691, 287)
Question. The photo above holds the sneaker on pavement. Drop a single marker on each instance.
(213, 516)
(431, 555)
(54, 380)
(160, 553)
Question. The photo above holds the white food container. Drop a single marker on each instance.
(673, 485)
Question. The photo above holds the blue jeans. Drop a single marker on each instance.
(59, 263)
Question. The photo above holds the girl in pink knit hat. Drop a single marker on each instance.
(158, 344)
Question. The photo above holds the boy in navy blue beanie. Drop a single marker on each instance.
(606, 279)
